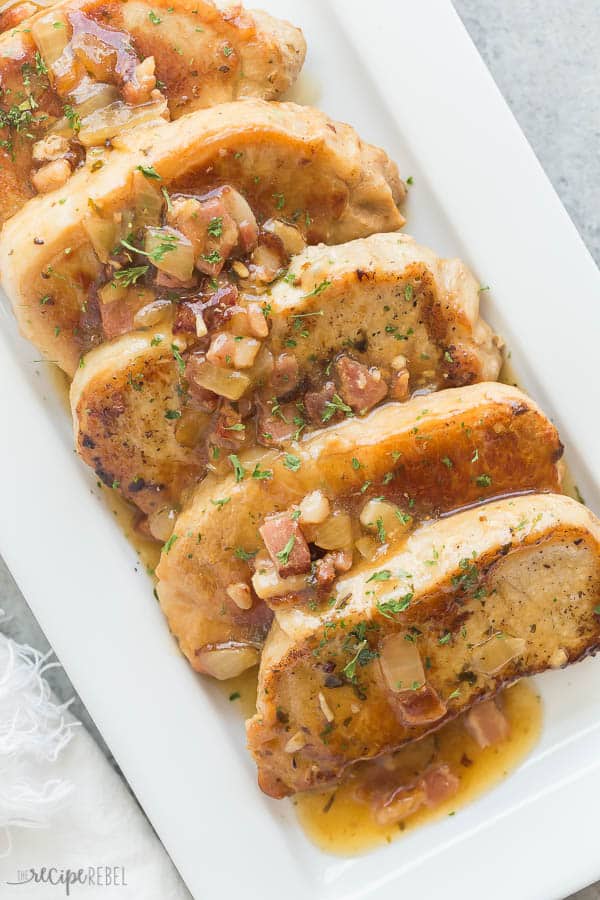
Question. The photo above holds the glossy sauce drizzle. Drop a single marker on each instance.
(338, 823)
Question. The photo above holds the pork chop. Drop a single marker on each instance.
(182, 201)
(84, 71)
(349, 493)
(350, 326)
(466, 606)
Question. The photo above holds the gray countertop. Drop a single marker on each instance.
(545, 58)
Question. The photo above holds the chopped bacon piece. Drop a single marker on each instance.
(163, 280)
(420, 706)
(315, 402)
(227, 432)
(487, 724)
(219, 306)
(286, 545)
(139, 88)
(360, 387)
(439, 784)
(285, 374)
(185, 317)
(325, 573)
(399, 387)
(274, 430)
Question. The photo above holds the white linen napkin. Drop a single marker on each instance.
(62, 806)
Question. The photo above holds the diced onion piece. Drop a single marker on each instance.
(367, 547)
(268, 584)
(51, 34)
(245, 352)
(170, 252)
(257, 320)
(225, 382)
(161, 523)
(152, 313)
(289, 235)
(314, 508)
(401, 664)
(147, 199)
(227, 662)
(240, 211)
(103, 235)
(87, 97)
(325, 707)
(295, 743)
(559, 658)
(334, 533)
(377, 514)
(104, 124)
(191, 427)
(201, 329)
(241, 594)
(497, 652)
(112, 292)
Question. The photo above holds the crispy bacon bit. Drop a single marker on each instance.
(227, 432)
(325, 571)
(185, 317)
(359, 387)
(286, 545)
(315, 402)
(219, 306)
(487, 724)
(420, 706)
(439, 784)
(273, 430)
(51, 176)
(285, 374)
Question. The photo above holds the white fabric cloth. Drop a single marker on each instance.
(62, 806)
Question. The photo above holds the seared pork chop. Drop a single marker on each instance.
(281, 529)
(464, 607)
(166, 219)
(350, 326)
(77, 75)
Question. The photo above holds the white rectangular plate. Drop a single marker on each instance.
(407, 76)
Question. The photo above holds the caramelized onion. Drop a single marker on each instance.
(497, 652)
(170, 252)
(225, 382)
(289, 235)
(401, 664)
(378, 515)
(102, 233)
(334, 533)
(51, 36)
(268, 584)
(224, 662)
(104, 124)
(152, 313)
(161, 523)
(191, 427)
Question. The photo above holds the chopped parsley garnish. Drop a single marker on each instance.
(333, 406)
(179, 358)
(73, 118)
(284, 555)
(409, 292)
(130, 276)
(237, 467)
(215, 227)
(149, 172)
(447, 462)
(156, 20)
(261, 473)
(322, 286)
(170, 543)
(245, 555)
(381, 533)
(292, 462)
(279, 200)
(389, 607)
(382, 575)
(173, 414)
(483, 480)
(220, 503)
(212, 258)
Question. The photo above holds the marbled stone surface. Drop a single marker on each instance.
(545, 58)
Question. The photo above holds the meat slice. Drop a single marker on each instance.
(242, 145)
(135, 71)
(286, 545)
(528, 567)
(329, 300)
(491, 429)
(361, 387)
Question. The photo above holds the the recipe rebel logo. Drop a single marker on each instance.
(68, 879)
